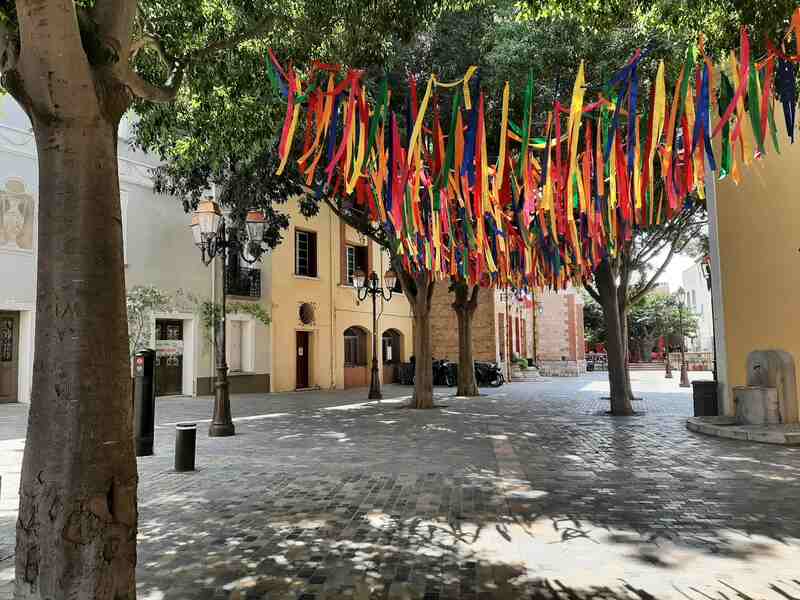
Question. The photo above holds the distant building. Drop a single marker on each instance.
(698, 301)
(500, 326)
(319, 335)
(560, 335)
(546, 329)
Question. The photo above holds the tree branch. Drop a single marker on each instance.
(166, 93)
(593, 293)
(9, 48)
(149, 91)
(114, 20)
(49, 38)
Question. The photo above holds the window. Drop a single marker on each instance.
(355, 347)
(305, 253)
(356, 258)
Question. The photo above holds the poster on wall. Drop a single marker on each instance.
(16, 217)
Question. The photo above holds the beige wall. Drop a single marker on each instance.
(335, 306)
(759, 243)
(444, 324)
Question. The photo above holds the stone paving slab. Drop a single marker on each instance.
(531, 491)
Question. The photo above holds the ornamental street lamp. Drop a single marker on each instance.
(684, 370)
(216, 239)
(538, 309)
(370, 286)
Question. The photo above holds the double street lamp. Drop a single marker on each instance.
(216, 238)
(370, 286)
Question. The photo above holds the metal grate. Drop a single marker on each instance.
(243, 282)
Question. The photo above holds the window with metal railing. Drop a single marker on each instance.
(243, 281)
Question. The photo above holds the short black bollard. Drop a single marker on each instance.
(144, 401)
(185, 444)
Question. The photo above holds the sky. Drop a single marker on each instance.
(673, 272)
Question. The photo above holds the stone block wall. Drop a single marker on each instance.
(444, 325)
(560, 334)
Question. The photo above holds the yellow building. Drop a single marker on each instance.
(755, 246)
(321, 335)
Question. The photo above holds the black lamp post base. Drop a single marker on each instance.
(375, 395)
(221, 430)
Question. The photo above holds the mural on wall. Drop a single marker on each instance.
(16, 217)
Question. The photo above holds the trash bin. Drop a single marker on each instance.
(185, 445)
(705, 398)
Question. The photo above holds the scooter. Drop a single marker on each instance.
(444, 373)
(488, 373)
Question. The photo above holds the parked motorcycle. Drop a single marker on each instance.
(444, 373)
(489, 373)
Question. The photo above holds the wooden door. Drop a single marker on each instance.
(302, 360)
(9, 356)
(169, 357)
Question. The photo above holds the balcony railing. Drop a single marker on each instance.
(243, 282)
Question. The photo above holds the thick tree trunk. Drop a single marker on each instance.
(616, 341)
(465, 306)
(418, 289)
(76, 533)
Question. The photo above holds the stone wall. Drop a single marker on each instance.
(559, 332)
(444, 325)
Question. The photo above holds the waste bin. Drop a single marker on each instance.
(705, 398)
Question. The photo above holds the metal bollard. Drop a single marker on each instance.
(185, 445)
(144, 401)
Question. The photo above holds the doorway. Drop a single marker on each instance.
(169, 357)
(9, 356)
(302, 359)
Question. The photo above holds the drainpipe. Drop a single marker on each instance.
(332, 287)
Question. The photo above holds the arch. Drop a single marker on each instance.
(355, 340)
(392, 346)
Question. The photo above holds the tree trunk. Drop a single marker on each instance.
(418, 289)
(76, 532)
(616, 341)
(465, 307)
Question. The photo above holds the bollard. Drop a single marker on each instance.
(185, 444)
(144, 401)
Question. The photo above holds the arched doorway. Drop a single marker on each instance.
(355, 357)
(392, 346)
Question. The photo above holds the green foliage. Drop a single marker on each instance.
(141, 302)
(718, 20)
(222, 127)
(210, 313)
(658, 314)
(594, 326)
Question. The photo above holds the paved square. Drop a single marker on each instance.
(531, 491)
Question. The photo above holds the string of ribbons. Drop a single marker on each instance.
(545, 210)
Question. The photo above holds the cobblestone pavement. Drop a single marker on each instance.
(531, 491)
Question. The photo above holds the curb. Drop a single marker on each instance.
(726, 427)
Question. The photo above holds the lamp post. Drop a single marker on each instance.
(216, 239)
(684, 370)
(538, 309)
(705, 267)
(370, 286)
